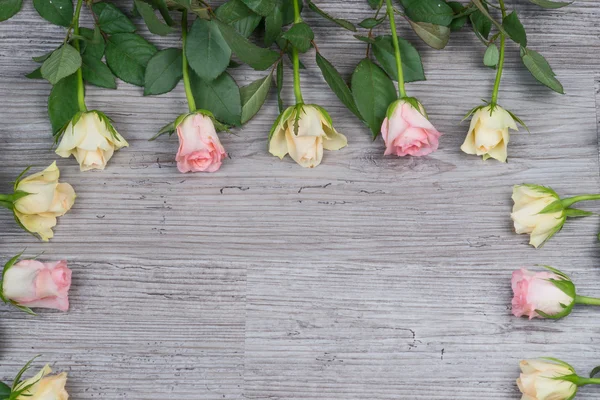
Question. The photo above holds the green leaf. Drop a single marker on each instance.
(111, 20)
(337, 84)
(483, 8)
(97, 73)
(58, 12)
(8, 8)
(164, 71)
(253, 97)
(256, 57)
(35, 74)
(63, 62)
(370, 23)
(595, 372)
(458, 22)
(300, 36)
(481, 24)
(95, 45)
(62, 103)
(154, 24)
(436, 36)
(4, 388)
(207, 52)
(433, 11)
(491, 56)
(540, 69)
(373, 92)
(238, 15)
(261, 7)
(513, 26)
(551, 4)
(279, 82)
(375, 4)
(341, 22)
(127, 55)
(383, 49)
(273, 24)
(220, 96)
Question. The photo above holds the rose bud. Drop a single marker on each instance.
(542, 294)
(33, 284)
(200, 149)
(91, 139)
(407, 131)
(546, 380)
(303, 131)
(537, 211)
(43, 386)
(488, 134)
(46, 200)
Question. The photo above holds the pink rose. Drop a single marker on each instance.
(408, 132)
(199, 145)
(535, 291)
(31, 283)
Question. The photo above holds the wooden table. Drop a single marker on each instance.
(368, 277)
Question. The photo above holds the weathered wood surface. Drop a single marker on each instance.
(365, 278)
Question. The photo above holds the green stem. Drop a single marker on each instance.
(569, 201)
(186, 72)
(590, 301)
(587, 381)
(296, 59)
(501, 60)
(390, 12)
(80, 86)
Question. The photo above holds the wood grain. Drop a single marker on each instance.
(367, 277)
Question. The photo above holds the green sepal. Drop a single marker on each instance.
(518, 120)
(560, 362)
(324, 113)
(577, 213)
(16, 393)
(473, 111)
(171, 127)
(284, 116)
(541, 189)
(107, 121)
(567, 310)
(556, 271)
(554, 207)
(20, 177)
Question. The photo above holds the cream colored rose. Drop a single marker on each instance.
(488, 134)
(540, 380)
(44, 387)
(92, 140)
(529, 201)
(303, 132)
(47, 200)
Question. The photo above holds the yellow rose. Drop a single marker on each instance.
(303, 131)
(529, 201)
(44, 387)
(92, 140)
(47, 200)
(488, 134)
(540, 380)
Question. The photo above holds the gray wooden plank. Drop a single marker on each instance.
(266, 280)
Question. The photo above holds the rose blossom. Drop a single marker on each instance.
(529, 201)
(47, 200)
(303, 131)
(91, 140)
(488, 134)
(535, 291)
(200, 149)
(44, 386)
(540, 380)
(406, 131)
(31, 283)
